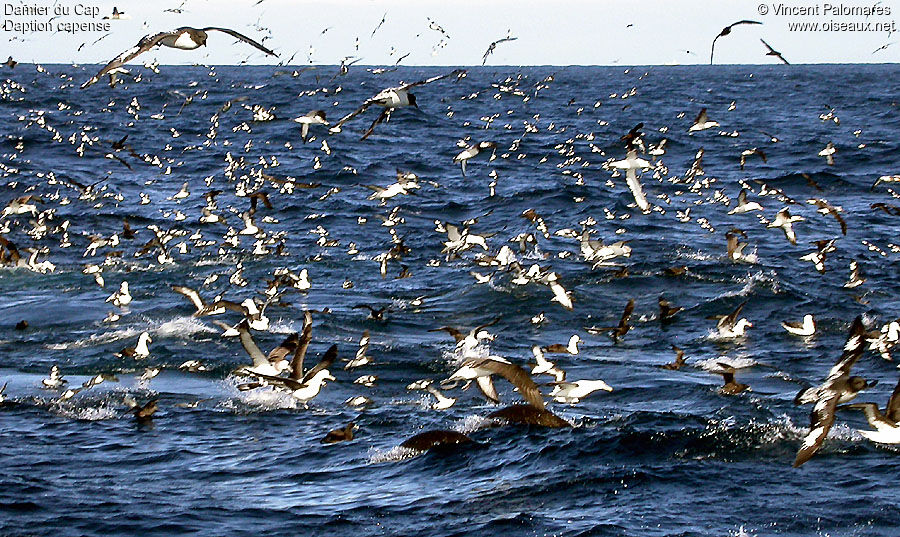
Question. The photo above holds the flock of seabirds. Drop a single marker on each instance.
(285, 367)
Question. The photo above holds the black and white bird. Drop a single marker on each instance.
(729, 326)
(492, 46)
(837, 388)
(313, 117)
(702, 122)
(185, 38)
(390, 99)
(887, 425)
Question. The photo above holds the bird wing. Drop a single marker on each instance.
(853, 349)
(629, 308)
(519, 378)
(636, 190)
(893, 406)
(324, 363)
(731, 318)
(455, 72)
(191, 294)
(242, 37)
(250, 346)
(300, 351)
(365, 106)
(381, 117)
(284, 348)
(486, 385)
(745, 21)
(821, 419)
(146, 43)
(769, 47)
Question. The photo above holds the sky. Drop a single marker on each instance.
(548, 32)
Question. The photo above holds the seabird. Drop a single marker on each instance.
(725, 31)
(544, 366)
(471, 152)
(817, 258)
(805, 328)
(390, 99)
(744, 206)
(10, 62)
(361, 357)
(855, 279)
(122, 297)
(481, 369)
(313, 117)
(826, 208)
(375, 314)
(747, 153)
(573, 392)
(631, 163)
(304, 387)
(344, 434)
(828, 153)
(785, 221)
(702, 122)
(570, 348)
(667, 310)
(731, 386)
(55, 380)
(184, 38)
(887, 425)
(261, 364)
(622, 328)
(140, 351)
(729, 326)
(145, 412)
(837, 388)
(679, 360)
(493, 45)
(773, 52)
(443, 402)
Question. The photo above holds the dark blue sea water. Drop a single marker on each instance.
(663, 454)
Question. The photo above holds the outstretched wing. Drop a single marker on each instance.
(455, 72)
(242, 37)
(519, 378)
(324, 363)
(821, 419)
(853, 349)
(145, 44)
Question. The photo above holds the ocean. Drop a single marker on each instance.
(663, 454)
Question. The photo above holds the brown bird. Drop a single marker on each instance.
(145, 412)
(679, 360)
(725, 31)
(667, 310)
(773, 52)
(731, 387)
(344, 434)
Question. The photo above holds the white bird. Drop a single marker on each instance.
(729, 326)
(631, 164)
(361, 357)
(743, 205)
(544, 366)
(828, 153)
(805, 328)
(121, 297)
(573, 392)
(784, 220)
(443, 402)
(702, 122)
(313, 117)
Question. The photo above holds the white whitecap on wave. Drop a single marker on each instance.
(712, 364)
(394, 454)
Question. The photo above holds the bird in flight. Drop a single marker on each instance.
(185, 38)
(492, 46)
(773, 52)
(389, 99)
(725, 31)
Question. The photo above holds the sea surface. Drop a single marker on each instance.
(663, 454)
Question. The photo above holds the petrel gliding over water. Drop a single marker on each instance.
(185, 38)
(725, 31)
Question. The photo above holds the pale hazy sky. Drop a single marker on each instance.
(549, 32)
